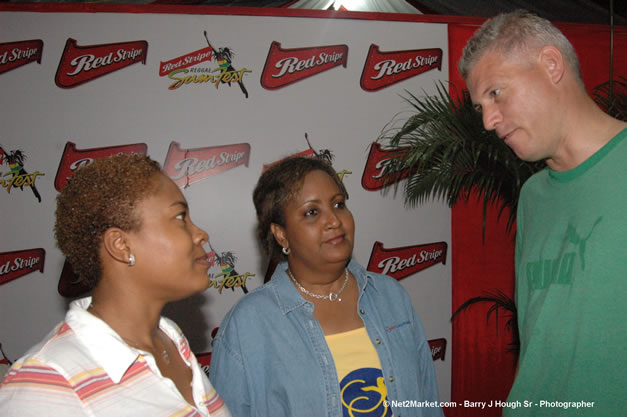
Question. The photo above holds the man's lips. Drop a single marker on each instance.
(505, 137)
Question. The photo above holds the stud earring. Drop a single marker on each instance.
(286, 251)
(131, 260)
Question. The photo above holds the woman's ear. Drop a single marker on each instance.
(114, 243)
(552, 61)
(279, 234)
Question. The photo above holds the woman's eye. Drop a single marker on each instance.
(311, 212)
(181, 216)
(495, 93)
(340, 204)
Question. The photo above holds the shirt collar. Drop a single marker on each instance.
(289, 298)
(103, 343)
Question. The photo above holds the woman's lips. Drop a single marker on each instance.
(336, 240)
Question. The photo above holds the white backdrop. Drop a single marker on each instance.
(134, 105)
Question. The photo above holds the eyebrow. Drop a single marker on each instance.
(333, 197)
(180, 203)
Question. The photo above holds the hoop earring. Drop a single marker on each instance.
(131, 260)
(286, 251)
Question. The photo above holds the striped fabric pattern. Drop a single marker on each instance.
(60, 377)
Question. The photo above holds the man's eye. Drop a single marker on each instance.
(181, 216)
(495, 93)
(340, 204)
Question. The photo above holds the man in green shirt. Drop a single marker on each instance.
(524, 77)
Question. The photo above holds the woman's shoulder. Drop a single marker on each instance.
(261, 300)
(57, 351)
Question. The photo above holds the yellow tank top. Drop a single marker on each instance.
(358, 368)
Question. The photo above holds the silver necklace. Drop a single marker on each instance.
(333, 296)
(164, 353)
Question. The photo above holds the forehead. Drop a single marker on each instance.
(492, 67)
(317, 182)
(164, 190)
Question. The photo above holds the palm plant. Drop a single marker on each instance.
(500, 301)
(443, 151)
(446, 153)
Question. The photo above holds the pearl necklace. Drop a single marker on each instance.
(333, 296)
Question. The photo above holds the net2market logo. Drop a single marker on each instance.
(81, 64)
(186, 69)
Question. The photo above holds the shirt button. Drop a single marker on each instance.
(362, 311)
(378, 341)
(391, 378)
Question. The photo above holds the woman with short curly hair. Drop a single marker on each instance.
(125, 228)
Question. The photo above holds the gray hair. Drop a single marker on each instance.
(517, 31)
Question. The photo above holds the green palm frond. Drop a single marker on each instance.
(449, 154)
(500, 301)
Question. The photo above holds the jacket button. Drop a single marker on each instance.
(362, 311)
(378, 341)
(391, 378)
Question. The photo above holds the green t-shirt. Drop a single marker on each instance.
(571, 272)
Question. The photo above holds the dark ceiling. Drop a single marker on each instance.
(574, 11)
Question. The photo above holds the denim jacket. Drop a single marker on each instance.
(270, 357)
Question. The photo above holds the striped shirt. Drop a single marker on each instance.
(83, 368)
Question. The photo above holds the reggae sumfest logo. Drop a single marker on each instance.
(222, 273)
(17, 176)
(206, 66)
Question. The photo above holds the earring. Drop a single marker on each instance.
(286, 251)
(131, 260)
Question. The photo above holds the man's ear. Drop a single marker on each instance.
(114, 242)
(279, 234)
(552, 61)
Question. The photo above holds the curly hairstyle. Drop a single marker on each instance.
(276, 188)
(99, 196)
(513, 32)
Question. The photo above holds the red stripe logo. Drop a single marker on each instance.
(372, 178)
(81, 64)
(438, 348)
(287, 66)
(16, 264)
(74, 159)
(187, 166)
(401, 262)
(383, 69)
(16, 54)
